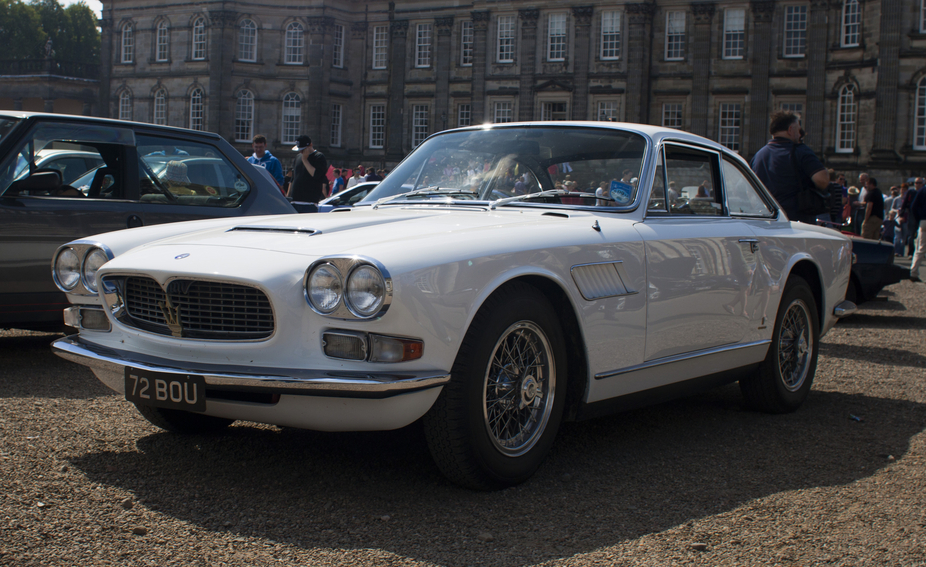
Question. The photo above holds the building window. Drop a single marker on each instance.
(163, 42)
(380, 45)
(556, 37)
(553, 111)
(610, 35)
(734, 33)
(337, 55)
(125, 106)
(420, 123)
(199, 39)
(730, 117)
(609, 111)
(295, 44)
(504, 112)
(377, 125)
(672, 116)
(795, 31)
(197, 121)
(128, 43)
(466, 43)
(793, 107)
(919, 140)
(159, 116)
(292, 116)
(335, 125)
(244, 116)
(464, 115)
(506, 36)
(845, 125)
(675, 36)
(851, 23)
(247, 41)
(922, 16)
(423, 46)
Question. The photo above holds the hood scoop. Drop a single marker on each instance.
(275, 229)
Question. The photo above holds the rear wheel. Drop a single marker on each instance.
(179, 421)
(785, 376)
(496, 420)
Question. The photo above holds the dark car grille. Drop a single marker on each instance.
(207, 310)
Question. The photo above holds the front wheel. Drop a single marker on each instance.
(784, 378)
(496, 420)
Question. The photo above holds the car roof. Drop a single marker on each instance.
(108, 121)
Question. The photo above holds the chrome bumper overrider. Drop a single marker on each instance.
(109, 366)
(844, 309)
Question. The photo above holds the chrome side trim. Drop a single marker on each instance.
(109, 366)
(681, 357)
(844, 309)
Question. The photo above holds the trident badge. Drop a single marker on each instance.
(172, 316)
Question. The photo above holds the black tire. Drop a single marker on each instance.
(179, 421)
(469, 439)
(852, 292)
(784, 378)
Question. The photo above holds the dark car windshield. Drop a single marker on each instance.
(586, 166)
(7, 123)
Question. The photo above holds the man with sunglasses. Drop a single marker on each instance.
(786, 166)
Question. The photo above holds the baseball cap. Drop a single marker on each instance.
(302, 142)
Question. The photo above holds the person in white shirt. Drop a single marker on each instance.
(355, 179)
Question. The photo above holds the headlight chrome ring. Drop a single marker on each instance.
(324, 288)
(67, 269)
(366, 291)
(93, 261)
(348, 287)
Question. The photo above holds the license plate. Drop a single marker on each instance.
(160, 389)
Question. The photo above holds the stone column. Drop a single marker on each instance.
(760, 58)
(703, 13)
(888, 82)
(816, 75)
(106, 60)
(353, 134)
(395, 123)
(220, 106)
(528, 52)
(583, 16)
(480, 59)
(318, 115)
(639, 54)
(442, 65)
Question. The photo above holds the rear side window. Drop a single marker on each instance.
(181, 172)
(692, 187)
(743, 198)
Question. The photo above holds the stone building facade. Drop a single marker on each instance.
(369, 80)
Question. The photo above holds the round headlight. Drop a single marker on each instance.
(324, 288)
(366, 291)
(67, 269)
(93, 262)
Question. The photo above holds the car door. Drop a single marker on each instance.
(699, 258)
(34, 220)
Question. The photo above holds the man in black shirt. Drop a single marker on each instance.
(310, 173)
(785, 163)
(874, 211)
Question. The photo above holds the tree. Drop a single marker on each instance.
(72, 30)
(21, 33)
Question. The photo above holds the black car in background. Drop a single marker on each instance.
(137, 174)
(873, 269)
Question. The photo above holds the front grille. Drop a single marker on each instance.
(207, 310)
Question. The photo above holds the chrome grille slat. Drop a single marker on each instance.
(208, 310)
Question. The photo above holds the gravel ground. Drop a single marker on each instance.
(701, 481)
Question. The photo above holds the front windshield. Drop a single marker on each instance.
(589, 166)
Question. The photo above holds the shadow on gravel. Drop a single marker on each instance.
(30, 370)
(891, 356)
(607, 481)
(882, 322)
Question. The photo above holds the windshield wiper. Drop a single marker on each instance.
(429, 190)
(547, 193)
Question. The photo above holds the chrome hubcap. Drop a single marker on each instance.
(795, 345)
(518, 388)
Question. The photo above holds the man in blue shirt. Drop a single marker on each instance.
(784, 162)
(264, 159)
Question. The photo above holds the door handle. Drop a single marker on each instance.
(753, 244)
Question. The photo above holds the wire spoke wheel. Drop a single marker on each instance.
(519, 386)
(795, 344)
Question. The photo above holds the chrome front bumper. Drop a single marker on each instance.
(109, 366)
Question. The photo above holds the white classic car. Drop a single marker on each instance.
(500, 280)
